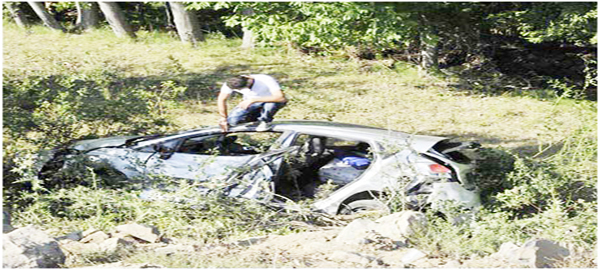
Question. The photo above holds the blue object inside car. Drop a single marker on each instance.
(360, 163)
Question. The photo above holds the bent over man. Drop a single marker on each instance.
(262, 98)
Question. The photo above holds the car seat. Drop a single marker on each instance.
(312, 149)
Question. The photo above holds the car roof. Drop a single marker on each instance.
(421, 143)
(384, 137)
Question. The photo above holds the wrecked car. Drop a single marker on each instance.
(292, 160)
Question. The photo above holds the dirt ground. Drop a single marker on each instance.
(319, 249)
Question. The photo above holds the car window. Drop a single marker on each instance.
(233, 144)
(205, 145)
(337, 145)
(348, 145)
(261, 141)
(167, 146)
(321, 165)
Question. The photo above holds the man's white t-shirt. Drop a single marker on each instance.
(263, 84)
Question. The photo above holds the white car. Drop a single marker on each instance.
(291, 160)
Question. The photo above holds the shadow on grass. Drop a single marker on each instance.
(206, 86)
(524, 148)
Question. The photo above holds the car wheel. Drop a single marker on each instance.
(359, 206)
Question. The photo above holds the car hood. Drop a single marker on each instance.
(98, 143)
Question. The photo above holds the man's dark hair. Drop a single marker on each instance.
(238, 82)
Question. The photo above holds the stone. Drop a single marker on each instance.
(6, 221)
(507, 251)
(88, 232)
(70, 247)
(125, 236)
(401, 225)
(95, 237)
(412, 255)
(29, 247)
(171, 249)
(146, 233)
(74, 236)
(540, 253)
(356, 232)
(251, 241)
(113, 245)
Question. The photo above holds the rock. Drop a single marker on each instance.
(74, 236)
(412, 255)
(507, 251)
(401, 225)
(171, 249)
(541, 253)
(146, 233)
(108, 246)
(113, 245)
(6, 221)
(251, 241)
(29, 247)
(95, 237)
(70, 247)
(356, 232)
(88, 232)
(125, 236)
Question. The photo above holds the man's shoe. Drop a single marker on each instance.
(262, 126)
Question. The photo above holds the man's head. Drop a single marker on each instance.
(238, 82)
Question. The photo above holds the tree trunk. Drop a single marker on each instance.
(87, 15)
(248, 38)
(429, 51)
(17, 14)
(48, 20)
(186, 23)
(429, 43)
(115, 17)
(168, 12)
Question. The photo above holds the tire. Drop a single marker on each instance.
(360, 206)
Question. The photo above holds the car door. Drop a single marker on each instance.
(256, 179)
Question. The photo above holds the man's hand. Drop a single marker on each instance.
(224, 124)
(245, 104)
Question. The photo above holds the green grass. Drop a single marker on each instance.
(553, 139)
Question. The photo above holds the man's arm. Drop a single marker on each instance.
(276, 96)
(222, 106)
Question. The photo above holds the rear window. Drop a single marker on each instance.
(453, 150)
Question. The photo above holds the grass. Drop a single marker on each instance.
(318, 88)
(554, 139)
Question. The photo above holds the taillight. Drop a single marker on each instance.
(437, 168)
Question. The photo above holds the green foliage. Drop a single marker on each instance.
(564, 178)
(570, 22)
(68, 107)
(180, 213)
(492, 167)
(323, 27)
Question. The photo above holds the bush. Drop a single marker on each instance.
(43, 112)
(553, 198)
